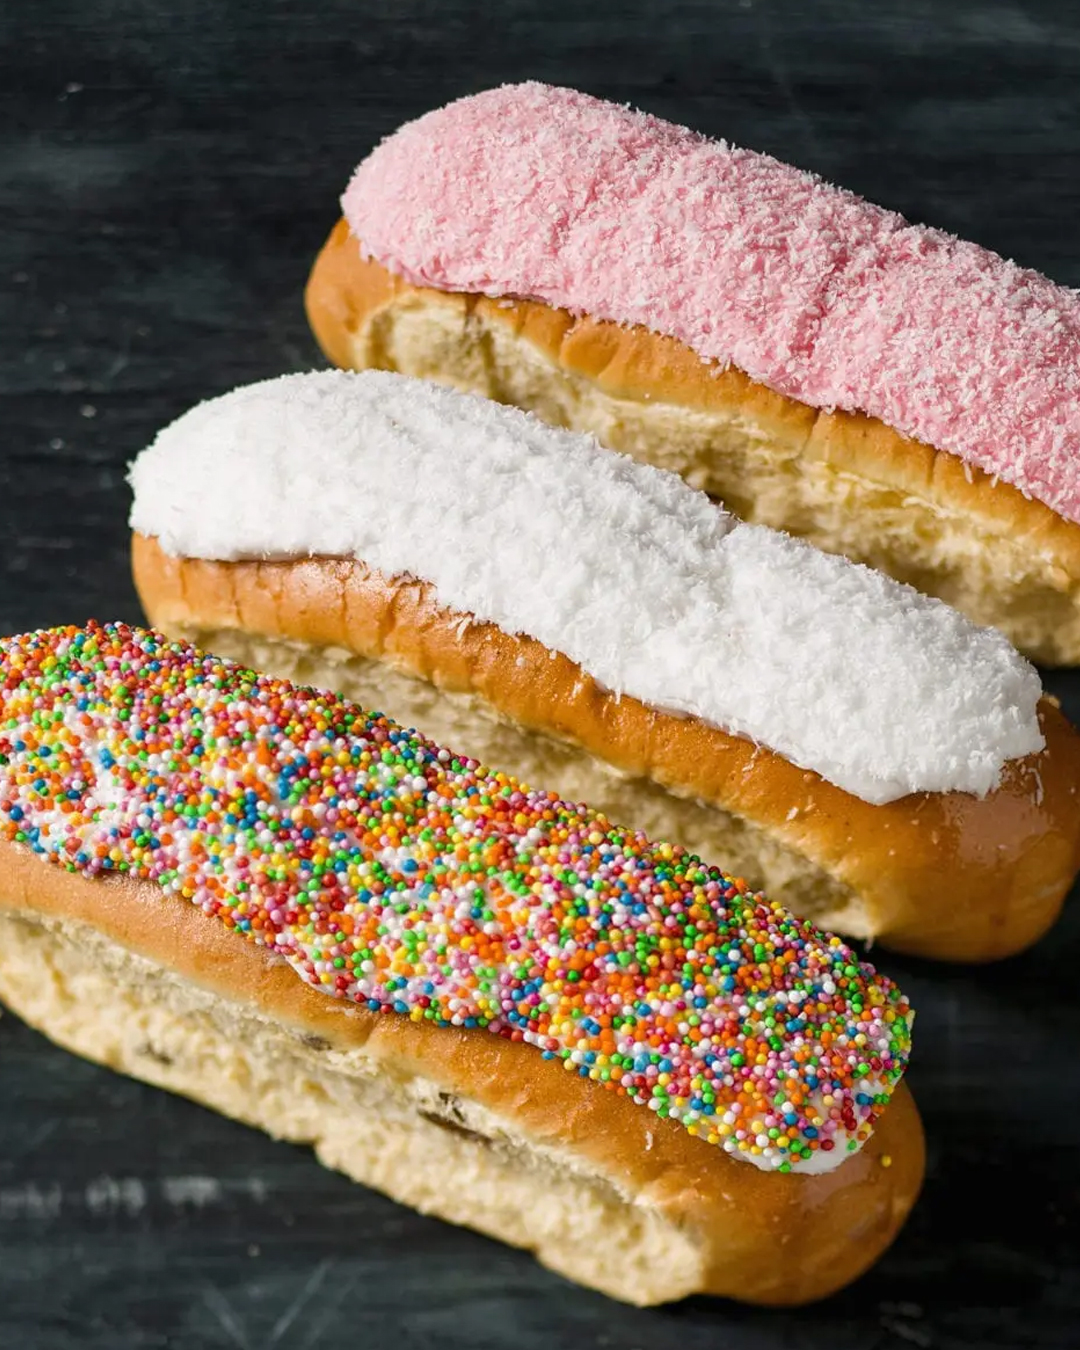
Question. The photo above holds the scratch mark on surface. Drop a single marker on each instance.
(120, 362)
(328, 1305)
(44, 1131)
(300, 1302)
(219, 1305)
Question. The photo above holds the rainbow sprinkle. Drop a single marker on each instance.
(414, 882)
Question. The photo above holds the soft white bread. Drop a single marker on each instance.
(481, 1129)
(820, 364)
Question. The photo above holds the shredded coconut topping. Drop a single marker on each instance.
(640, 580)
(548, 193)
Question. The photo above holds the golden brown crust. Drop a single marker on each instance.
(771, 1238)
(347, 295)
(344, 289)
(945, 875)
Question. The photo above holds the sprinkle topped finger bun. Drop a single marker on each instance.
(416, 883)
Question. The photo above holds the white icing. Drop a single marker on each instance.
(638, 578)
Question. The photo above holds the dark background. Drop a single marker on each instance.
(167, 173)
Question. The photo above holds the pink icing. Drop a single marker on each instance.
(548, 193)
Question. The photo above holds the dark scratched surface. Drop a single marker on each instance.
(167, 173)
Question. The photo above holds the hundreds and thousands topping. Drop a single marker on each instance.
(548, 193)
(625, 569)
(414, 883)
